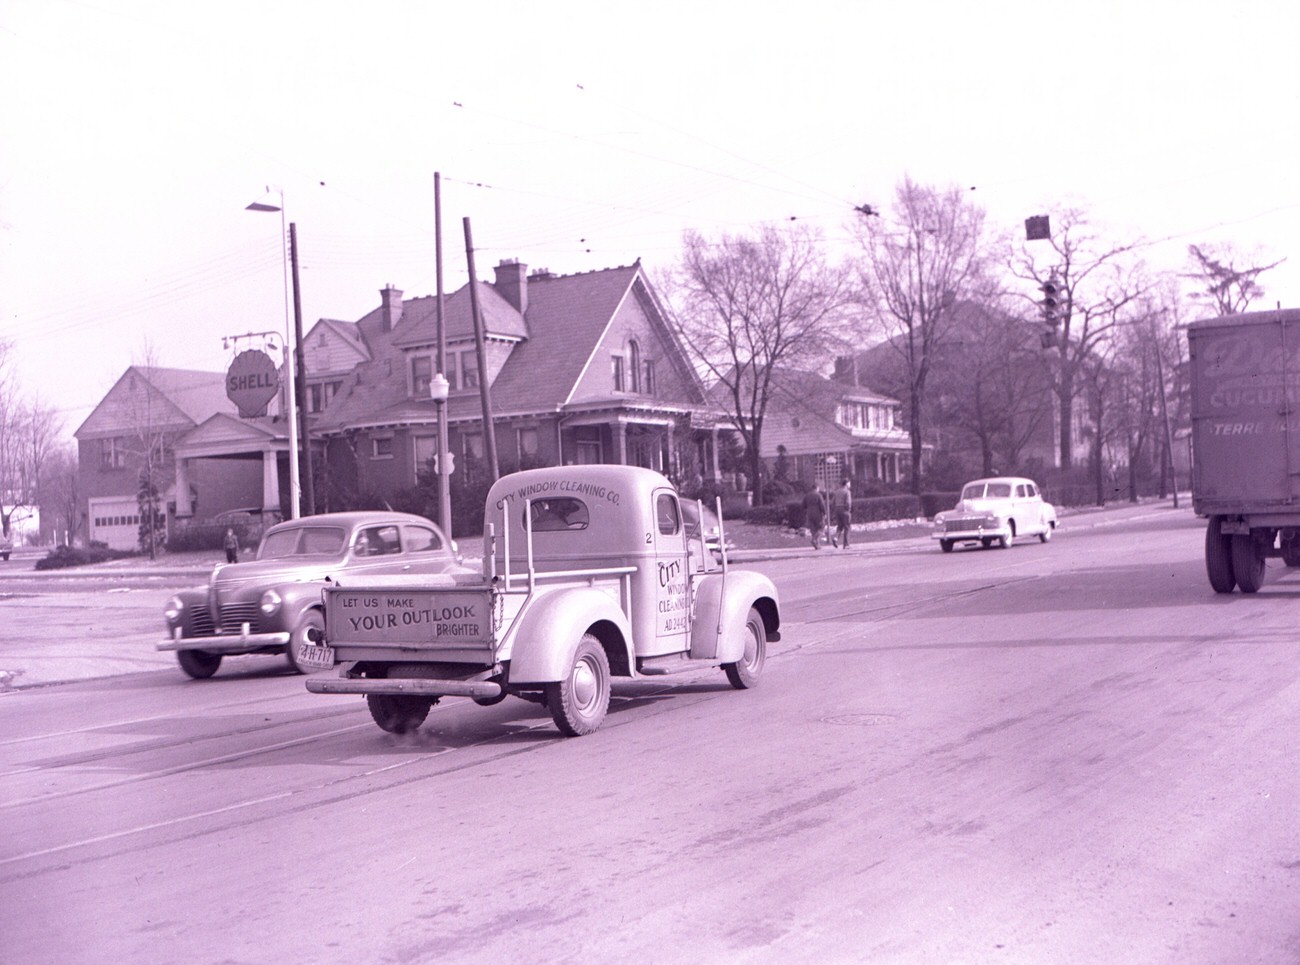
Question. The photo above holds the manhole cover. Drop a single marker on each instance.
(860, 720)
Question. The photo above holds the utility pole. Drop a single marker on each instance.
(444, 462)
(300, 387)
(480, 346)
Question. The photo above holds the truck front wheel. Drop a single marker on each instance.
(578, 702)
(744, 673)
(1218, 557)
(1247, 563)
(398, 713)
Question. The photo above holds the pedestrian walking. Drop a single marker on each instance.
(814, 513)
(232, 546)
(842, 514)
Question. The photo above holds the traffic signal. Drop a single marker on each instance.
(1052, 294)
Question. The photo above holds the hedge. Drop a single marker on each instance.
(63, 556)
(873, 509)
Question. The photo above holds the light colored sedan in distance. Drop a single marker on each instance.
(995, 510)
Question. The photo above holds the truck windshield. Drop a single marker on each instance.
(562, 513)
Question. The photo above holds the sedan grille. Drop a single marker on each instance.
(233, 618)
(966, 524)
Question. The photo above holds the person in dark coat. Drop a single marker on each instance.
(841, 503)
(232, 546)
(814, 513)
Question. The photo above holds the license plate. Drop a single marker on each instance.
(311, 656)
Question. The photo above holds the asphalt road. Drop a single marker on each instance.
(1072, 752)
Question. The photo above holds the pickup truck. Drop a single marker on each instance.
(1245, 381)
(589, 573)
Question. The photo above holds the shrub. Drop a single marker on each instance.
(766, 515)
(877, 509)
(932, 503)
(64, 556)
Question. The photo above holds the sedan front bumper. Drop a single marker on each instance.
(227, 643)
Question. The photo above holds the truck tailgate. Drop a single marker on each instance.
(407, 618)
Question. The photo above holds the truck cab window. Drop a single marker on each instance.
(667, 514)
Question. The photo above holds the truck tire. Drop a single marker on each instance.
(199, 664)
(744, 673)
(1290, 550)
(578, 702)
(1218, 557)
(398, 713)
(312, 619)
(1247, 563)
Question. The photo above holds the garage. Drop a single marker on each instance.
(115, 521)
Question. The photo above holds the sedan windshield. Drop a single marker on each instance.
(303, 541)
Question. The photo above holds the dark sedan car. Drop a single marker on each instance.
(269, 604)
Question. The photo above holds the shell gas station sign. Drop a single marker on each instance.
(252, 382)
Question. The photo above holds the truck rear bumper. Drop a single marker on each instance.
(414, 687)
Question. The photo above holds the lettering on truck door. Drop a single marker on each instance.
(672, 583)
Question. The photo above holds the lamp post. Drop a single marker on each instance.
(295, 488)
(439, 387)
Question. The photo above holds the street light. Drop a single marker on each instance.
(292, 346)
(443, 461)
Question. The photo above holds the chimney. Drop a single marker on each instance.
(390, 300)
(512, 283)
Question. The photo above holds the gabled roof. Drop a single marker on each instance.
(190, 397)
(567, 315)
(565, 319)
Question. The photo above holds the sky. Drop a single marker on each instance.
(583, 135)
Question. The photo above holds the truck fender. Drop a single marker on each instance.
(549, 628)
(730, 599)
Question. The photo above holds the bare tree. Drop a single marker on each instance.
(28, 431)
(60, 495)
(994, 384)
(148, 415)
(1095, 285)
(748, 305)
(1226, 288)
(922, 259)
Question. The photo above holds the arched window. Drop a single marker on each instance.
(634, 364)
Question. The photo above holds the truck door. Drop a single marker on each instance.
(671, 580)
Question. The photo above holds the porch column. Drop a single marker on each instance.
(620, 442)
(270, 482)
(713, 473)
(183, 507)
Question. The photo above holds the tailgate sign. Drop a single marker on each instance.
(408, 616)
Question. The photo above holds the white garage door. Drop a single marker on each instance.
(115, 521)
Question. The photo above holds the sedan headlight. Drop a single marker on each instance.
(173, 610)
(270, 604)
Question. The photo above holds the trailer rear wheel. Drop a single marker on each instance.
(578, 702)
(1218, 557)
(1247, 563)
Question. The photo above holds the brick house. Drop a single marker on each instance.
(582, 369)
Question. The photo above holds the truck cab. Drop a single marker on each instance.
(589, 573)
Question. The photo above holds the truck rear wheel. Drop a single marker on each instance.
(578, 702)
(1218, 557)
(398, 713)
(744, 673)
(199, 664)
(1247, 563)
